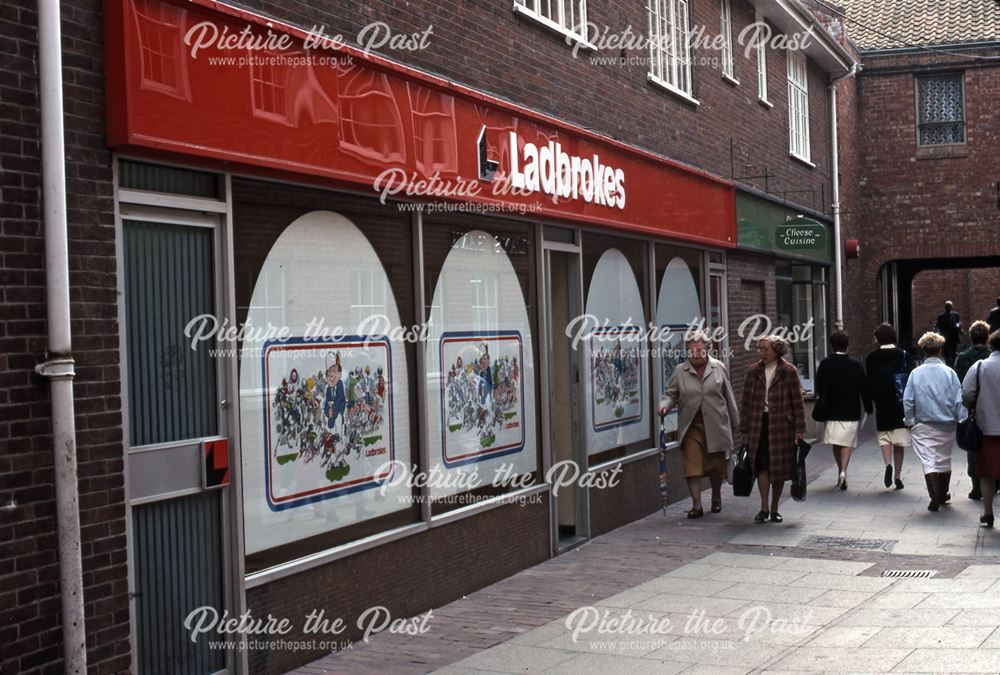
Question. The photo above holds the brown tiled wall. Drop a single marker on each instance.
(407, 576)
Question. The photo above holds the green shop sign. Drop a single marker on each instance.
(801, 234)
(771, 227)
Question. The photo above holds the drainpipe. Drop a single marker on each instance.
(838, 269)
(59, 366)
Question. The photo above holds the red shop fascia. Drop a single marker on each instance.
(213, 85)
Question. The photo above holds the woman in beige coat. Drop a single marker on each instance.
(706, 416)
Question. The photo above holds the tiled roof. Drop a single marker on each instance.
(873, 23)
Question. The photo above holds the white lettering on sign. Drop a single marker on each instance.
(550, 170)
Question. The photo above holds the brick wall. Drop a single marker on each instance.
(419, 572)
(30, 633)
(487, 46)
(479, 43)
(906, 204)
(973, 291)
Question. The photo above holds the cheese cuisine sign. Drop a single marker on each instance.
(551, 170)
(340, 117)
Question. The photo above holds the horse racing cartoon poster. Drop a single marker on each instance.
(616, 393)
(329, 419)
(616, 377)
(482, 395)
(481, 371)
(321, 415)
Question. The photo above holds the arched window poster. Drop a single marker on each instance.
(676, 308)
(614, 363)
(324, 408)
(480, 370)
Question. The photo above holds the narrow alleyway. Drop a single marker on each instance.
(726, 594)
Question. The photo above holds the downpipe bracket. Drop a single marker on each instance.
(58, 368)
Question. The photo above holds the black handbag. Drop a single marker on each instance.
(968, 434)
(742, 473)
(799, 476)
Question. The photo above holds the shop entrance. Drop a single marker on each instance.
(177, 425)
(564, 301)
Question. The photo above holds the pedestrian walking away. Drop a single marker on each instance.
(993, 319)
(841, 395)
(706, 415)
(932, 406)
(886, 370)
(772, 419)
(981, 393)
(979, 332)
(949, 326)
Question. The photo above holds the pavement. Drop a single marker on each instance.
(862, 580)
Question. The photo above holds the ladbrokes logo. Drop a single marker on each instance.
(555, 172)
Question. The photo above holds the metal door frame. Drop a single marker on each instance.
(582, 505)
(216, 215)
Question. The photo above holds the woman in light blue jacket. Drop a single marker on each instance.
(981, 391)
(932, 406)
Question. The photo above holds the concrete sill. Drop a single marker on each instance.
(943, 151)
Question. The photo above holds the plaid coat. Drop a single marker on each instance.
(786, 419)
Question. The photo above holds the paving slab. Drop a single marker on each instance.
(841, 659)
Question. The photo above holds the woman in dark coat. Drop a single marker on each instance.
(772, 419)
(881, 369)
(841, 393)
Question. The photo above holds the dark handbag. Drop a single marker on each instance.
(799, 476)
(968, 435)
(901, 378)
(819, 410)
(742, 473)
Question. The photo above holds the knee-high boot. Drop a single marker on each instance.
(933, 486)
(945, 491)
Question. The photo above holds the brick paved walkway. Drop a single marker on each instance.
(648, 549)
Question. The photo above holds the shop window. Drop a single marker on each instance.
(480, 381)
(670, 48)
(798, 106)
(726, 31)
(616, 372)
(327, 396)
(941, 109)
(565, 16)
(679, 308)
(799, 314)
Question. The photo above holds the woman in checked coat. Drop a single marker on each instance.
(772, 419)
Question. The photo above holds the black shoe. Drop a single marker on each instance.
(975, 495)
(987, 521)
(888, 475)
(899, 484)
(776, 517)
(696, 513)
(761, 516)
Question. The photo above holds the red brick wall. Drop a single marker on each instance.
(480, 44)
(30, 632)
(973, 291)
(904, 205)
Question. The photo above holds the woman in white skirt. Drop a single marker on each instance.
(932, 406)
(841, 393)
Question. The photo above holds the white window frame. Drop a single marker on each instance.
(761, 65)
(726, 31)
(670, 62)
(575, 30)
(798, 106)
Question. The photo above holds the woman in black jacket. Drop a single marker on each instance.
(887, 369)
(841, 392)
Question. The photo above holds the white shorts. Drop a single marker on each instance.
(900, 437)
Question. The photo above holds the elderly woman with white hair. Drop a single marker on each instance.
(707, 414)
(932, 406)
